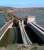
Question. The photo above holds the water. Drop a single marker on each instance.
(39, 17)
(2, 19)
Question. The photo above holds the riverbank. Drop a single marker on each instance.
(8, 38)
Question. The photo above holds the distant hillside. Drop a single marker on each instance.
(22, 10)
(6, 9)
(30, 10)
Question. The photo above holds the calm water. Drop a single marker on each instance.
(39, 17)
(2, 19)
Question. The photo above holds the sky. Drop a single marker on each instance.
(22, 3)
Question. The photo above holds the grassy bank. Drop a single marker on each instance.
(8, 37)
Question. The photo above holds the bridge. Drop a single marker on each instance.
(35, 30)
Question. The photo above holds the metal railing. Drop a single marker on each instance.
(41, 28)
(25, 37)
(37, 29)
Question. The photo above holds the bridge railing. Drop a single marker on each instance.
(28, 39)
(2, 30)
(41, 28)
(37, 29)
(25, 38)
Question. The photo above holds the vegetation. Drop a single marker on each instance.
(8, 37)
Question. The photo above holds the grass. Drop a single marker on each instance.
(8, 37)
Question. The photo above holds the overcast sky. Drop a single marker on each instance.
(22, 3)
